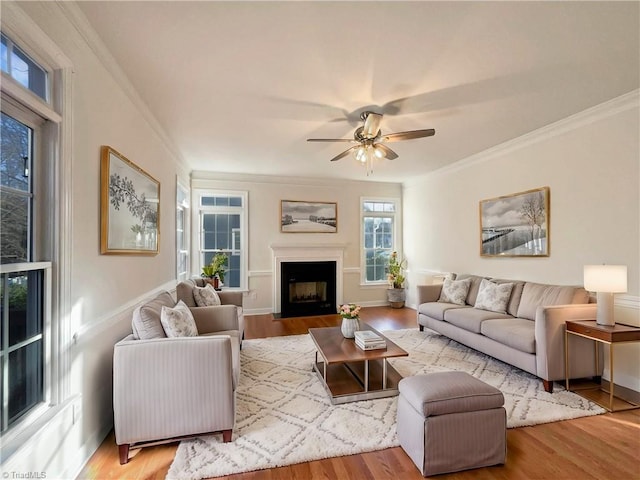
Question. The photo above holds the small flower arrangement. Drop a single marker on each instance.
(349, 310)
(396, 268)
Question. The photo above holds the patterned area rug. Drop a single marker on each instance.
(284, 416)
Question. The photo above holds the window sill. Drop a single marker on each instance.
(377, 286)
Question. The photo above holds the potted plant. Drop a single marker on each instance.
(396, 294)
(216, 269)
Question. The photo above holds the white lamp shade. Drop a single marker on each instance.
(605, 278)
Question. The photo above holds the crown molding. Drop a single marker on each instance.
(202, 177)
(593, 114)
(79, 21)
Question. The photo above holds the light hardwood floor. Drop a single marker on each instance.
(601, 447)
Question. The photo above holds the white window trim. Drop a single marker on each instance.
(59, 112)
(396, 235)
(196, 234)
(185, 206)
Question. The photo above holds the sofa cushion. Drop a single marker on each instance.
(206, 296)
(535, 295)
(436, 310)
(146, 318)
(178, 321)
(184, 292)
(470, 318)
(517, 333)
(473, 288)
(454, 291)
(493, 296)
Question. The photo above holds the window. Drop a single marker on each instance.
(222, 223)
(379, 233)
(182, 232)
(22, 294)
(23, 69)
(35, 196)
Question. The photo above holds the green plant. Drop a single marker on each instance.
(217, 267)
(396, 269)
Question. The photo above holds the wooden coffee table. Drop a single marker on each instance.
(350, 374)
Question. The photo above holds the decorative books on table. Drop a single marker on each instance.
(368, 340)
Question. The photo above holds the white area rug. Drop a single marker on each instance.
(284, 416)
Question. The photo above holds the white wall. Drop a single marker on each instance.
(591, 164)
(265, 194)
(103, 287)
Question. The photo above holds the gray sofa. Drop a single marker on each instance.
(528, 334)
(170, 388)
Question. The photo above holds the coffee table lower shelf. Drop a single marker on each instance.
(347, 382)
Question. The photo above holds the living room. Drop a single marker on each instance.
(587, 155)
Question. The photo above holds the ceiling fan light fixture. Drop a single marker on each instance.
(365, 155)
(370, 144)
(361, 154)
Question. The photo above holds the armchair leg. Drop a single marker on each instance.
(226, 435)
(548, 386)
(421, 327)
(123, 451)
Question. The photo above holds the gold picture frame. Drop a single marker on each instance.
(516, 225)
(129, 207)
(308, 217)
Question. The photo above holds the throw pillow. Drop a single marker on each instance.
(178, 321)
(455, 291)
(206, 296)
(493, 296)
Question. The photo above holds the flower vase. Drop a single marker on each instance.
(349, 327)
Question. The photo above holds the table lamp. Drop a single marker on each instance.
(605, 280)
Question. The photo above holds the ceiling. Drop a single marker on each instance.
(239, 86)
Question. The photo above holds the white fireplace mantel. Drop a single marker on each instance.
(306, 253)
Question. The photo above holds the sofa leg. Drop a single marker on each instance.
(226, 435)
(548, 386)
(123, 451)
(421, 327)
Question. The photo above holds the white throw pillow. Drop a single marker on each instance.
(178, 321)
(493, 296)
(206, 296)
(455, 291)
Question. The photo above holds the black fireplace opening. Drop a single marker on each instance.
(307, 288)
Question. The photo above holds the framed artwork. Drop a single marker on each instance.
(308, 217)
(129, 207)
(515, 225)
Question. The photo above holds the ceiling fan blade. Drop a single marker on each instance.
(396, 137)
(345, 153)
(388, 153)
(351, 140)
(371, 125)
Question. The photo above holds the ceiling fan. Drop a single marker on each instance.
(370, 142)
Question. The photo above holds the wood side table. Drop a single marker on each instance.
(610, 335)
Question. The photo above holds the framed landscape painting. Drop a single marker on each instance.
(308, 217)
(515, 225)
(129, 207)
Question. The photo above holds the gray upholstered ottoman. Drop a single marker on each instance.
(451, 421)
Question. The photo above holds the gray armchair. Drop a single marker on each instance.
(165, 389)
(184, 292)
